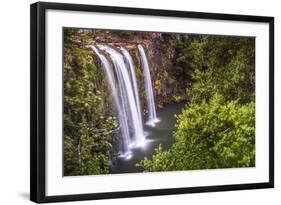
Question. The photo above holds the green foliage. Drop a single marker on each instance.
(88, 119)
(218, 64)
(189, 55)
(216, 73)
(71, 165)
(217, 129)
(217, 134)
(177, 98)
(230, 70)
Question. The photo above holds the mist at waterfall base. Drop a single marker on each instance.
(161, 133)
(140, 134)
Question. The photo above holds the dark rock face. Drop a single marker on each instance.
(160, 51)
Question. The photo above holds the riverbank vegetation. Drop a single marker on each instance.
(217, 128)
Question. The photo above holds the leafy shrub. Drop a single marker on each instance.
(218, 64)
(216, 134)
(88, 119)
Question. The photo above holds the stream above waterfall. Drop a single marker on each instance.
(162, 134)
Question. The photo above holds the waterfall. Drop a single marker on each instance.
(152, 118)
(134, 81)
(125, 93)
(128, 96)
(120, 106)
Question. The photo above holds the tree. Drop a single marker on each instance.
(89, 123)
(218, 64)
(216, 134)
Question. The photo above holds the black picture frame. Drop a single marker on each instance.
(38, 100)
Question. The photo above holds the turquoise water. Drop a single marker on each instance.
(162, 134)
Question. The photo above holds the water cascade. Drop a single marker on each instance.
(120, 106)
(127, 96)
(124, 89)
(152, 118)
(134, 81)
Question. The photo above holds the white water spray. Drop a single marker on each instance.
(120, 107)
(124, 89)
(134, 80)
(127, 96)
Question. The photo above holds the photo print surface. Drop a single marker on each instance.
(137, 101)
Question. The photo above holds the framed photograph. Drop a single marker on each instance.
(129, 102)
